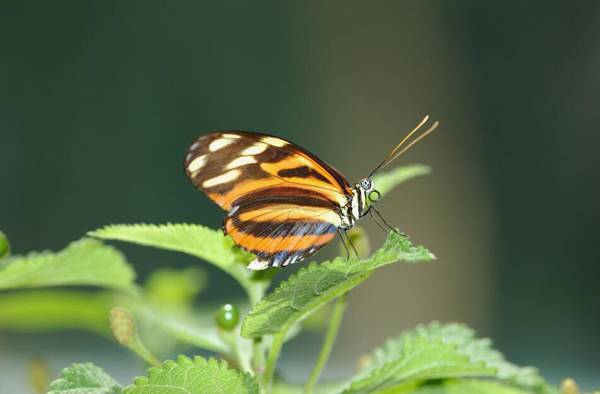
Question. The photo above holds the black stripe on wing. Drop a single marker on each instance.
(282, 195)
(281, 229)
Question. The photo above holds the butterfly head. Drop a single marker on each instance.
(365, 195)
(366, 184)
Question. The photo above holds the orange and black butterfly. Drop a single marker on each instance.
(283, 203)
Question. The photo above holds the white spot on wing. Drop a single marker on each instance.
(291, 260)
(231, 136)
(197, 163)
(258, 265)
(241, 161)
(278, 142)
(255, 149)
(223, 178)
(219, 144)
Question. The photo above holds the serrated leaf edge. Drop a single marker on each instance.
(385, 252)
(470, 341)
(197, 361)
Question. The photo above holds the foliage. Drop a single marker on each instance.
(4, 245)
(439, 352)
(317, 284)
(55, 309)
(386, 181)
(171, 287)
(85, 379)
(194, 376)
(158, 318)
(83, 262)
(207, 244)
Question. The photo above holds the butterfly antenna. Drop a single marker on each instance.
(393, 155)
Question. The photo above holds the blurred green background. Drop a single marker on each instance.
(99, 101)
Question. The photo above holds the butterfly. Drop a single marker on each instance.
(283, 203)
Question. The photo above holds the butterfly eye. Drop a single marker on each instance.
(374, 196)
(366, 184)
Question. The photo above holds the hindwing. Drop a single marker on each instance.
(282, 231)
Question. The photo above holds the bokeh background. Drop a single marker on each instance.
(99, 101)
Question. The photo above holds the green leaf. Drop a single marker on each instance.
(313, 286)
(280, 387)
(185, 329)
(217, 249)
(451, 386)
(48, 310)
(4, 245)
(207, 244)
(439, 352)
(193, 376)
(176, 288)
(84, 262)
(386, 181)
(84, 379)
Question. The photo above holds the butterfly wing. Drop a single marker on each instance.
(284, 227)
(283, 202)
(228, 166)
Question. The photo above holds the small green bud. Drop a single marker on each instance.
(227, 317)
(122, 325)
(4, 245)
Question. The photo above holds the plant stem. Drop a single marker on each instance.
(256, 291)
(258, 356)
(276, 346)
(330, 336)
(138, 347)
(255, 294)
(231, 338)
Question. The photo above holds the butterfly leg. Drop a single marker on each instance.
(351, 245)
(379, 219)
(341, 233)
(381, 226)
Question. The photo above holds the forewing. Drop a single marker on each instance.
(283, 231)
(230, 166)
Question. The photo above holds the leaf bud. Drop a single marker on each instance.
(122, 325)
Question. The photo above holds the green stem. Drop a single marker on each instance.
(232, 339)
(276, 346)
(256, 293)
(138, 347)
(258, 356)
(330, 336)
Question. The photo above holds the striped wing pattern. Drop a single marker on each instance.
(283, 203)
